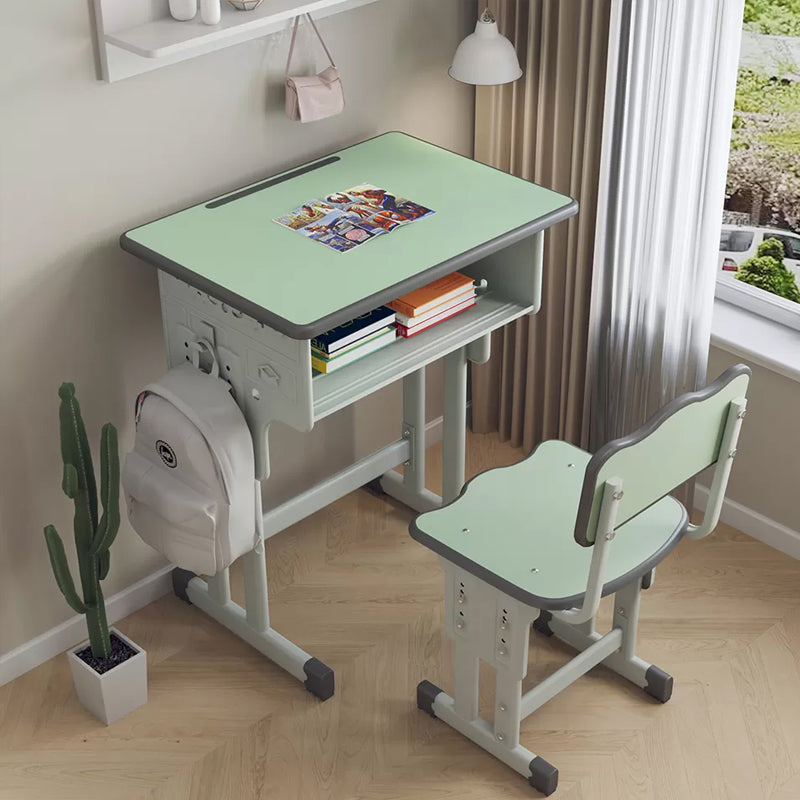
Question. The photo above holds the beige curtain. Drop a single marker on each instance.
(546, 127)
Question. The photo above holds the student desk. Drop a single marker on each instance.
(233, 281)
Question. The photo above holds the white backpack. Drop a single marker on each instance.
(189, 482)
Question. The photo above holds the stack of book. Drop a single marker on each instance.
(434, 303)
(352, 340)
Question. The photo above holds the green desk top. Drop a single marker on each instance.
(231, 248)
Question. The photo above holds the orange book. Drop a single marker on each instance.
(431, 295)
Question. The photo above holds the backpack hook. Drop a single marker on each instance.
(201, 352)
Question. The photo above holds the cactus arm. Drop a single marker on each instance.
(58, 561)
(69, 483)
(109, 491)
(103, 563)
(75, 447)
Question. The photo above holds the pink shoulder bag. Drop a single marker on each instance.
(314, 97)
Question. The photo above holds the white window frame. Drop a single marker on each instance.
(757, 301)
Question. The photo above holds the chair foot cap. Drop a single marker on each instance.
(426, 694)
(659, 684)
(544, 776)
(180, 580)
(320, 680)
(542, 623)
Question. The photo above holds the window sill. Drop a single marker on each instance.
(755, 338)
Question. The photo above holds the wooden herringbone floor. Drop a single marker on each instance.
(351, 587)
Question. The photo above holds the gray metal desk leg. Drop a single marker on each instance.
(455, 424)
(252, 624)
(410, 487)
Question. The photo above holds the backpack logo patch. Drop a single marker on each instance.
(167, 454)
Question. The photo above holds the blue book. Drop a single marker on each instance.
(348, 332)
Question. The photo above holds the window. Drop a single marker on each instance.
(735, 241)
(763, 185)
(791, 246)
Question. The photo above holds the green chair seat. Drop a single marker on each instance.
(514, 528)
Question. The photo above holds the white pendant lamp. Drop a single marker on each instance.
(485, 57)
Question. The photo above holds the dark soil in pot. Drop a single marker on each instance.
(120, 652)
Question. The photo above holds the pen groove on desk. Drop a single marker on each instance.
(272, 182)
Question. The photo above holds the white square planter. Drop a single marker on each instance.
(115, 693)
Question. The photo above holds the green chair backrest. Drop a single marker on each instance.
(676, 443)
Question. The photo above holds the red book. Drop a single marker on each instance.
(407, 333)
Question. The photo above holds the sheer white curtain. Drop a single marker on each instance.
(670, 86)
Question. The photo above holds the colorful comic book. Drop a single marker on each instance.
(344, 220)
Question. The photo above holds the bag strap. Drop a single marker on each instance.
(294, 37)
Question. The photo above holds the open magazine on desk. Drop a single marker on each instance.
(344, 220)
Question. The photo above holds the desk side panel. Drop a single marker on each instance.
(269, 373)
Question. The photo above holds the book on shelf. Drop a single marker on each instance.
(433, 294)
(451, 311)
(410, 322)
(342, 350)
(332, 363)
(345, 334)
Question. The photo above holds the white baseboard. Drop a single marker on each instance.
(73, 631)
(744, 519)
(434, 430)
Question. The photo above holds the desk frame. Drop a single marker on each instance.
(252, 622)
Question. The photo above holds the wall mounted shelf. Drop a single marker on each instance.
(136, 37)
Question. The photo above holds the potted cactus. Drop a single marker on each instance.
(109, 671)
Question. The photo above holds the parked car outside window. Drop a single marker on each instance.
(740, 242)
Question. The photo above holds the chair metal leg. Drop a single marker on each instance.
(508, 710)
(465, 681)
(486, 624)
(657, 683)
(542, 775)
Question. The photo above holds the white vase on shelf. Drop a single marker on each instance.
(183, 9)
(210, 11)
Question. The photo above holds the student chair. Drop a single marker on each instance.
(540, 542)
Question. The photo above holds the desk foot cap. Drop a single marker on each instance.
(426, 695)
(320, 680)
(544, 776)
(374, 487)
(659, 684)
(180, 580)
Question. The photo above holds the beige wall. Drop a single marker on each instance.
(81, 161)
(766, 472)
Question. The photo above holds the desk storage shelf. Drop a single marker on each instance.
(137, 36)
(337, 390)
(270, 373)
